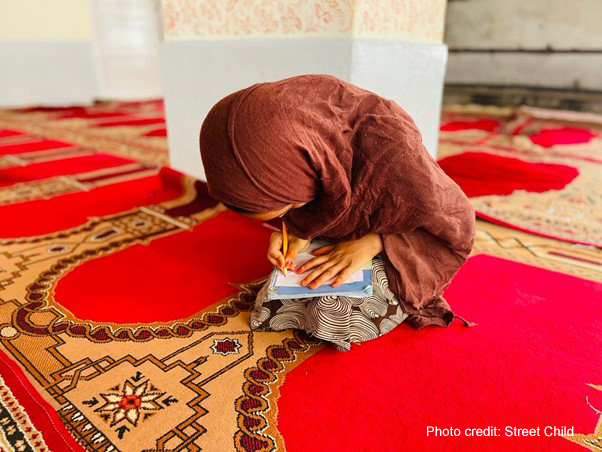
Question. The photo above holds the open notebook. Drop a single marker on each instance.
(359, 284)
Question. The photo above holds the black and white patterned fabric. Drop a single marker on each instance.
(335, 319)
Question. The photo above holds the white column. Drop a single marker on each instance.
(127, 34)
(208, 53)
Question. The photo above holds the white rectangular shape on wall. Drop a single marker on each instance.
(127, 35)
(411, 74)
(54, 73)
(197, 74)
(550, 70)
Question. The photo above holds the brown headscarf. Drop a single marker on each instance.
(358, 162)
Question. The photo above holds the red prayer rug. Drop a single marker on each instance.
(532, 169)
(133, 130)
(125, 295)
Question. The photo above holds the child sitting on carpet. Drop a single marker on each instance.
(343, 164)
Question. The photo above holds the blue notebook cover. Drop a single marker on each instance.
(358, 289)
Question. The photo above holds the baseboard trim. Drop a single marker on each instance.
(517, 95)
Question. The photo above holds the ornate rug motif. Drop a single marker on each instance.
(562, 257)
(535, 136)
(133, 130)
(200, 382)
(110, 396)
(16, 429)
(62, 185)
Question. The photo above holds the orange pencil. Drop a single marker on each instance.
(284, 245)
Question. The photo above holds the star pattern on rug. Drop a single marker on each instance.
(131, 402)
(226, 346)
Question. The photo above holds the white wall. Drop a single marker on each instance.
(215, 47)
(198, 73)
(518, 24)
(45, 20)
(71, 52)
(411, 74)
(45, 53)
(544, 43)
(54, 73)
(127, 34)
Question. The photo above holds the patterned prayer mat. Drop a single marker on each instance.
(532, 169)
(133, 130)
(125, 295)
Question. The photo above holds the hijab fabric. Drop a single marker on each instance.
(358, 162)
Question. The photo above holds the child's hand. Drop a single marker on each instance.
(295, 246)
(340, 260)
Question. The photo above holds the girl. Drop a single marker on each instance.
(343, 164)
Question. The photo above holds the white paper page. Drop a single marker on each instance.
(292, 279)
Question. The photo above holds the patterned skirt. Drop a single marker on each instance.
(338, 320)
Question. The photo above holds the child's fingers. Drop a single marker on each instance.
(275, 250)
(322, 250)
(312, 263)
(343, 276)
(325, 275)
(294, 248)
(276, 259)
(316, 273)
(276, 262)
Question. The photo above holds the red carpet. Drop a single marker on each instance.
(529, 170)
(65, 166)
(37, 145)
(548, 138)
(498, 175)
(73, 209)
(125, 295)
(519, 367)
(187, 260)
